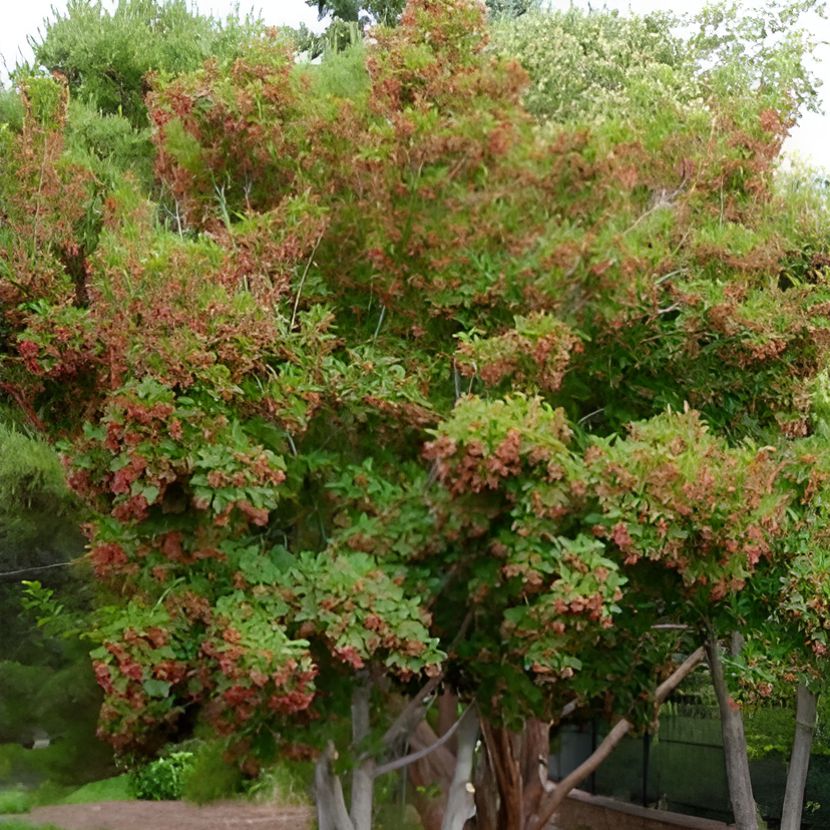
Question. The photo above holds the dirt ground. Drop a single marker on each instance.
(170, 815)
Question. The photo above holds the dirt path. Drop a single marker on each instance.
(170, 815)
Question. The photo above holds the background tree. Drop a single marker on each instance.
(105, 56)
(388, 12)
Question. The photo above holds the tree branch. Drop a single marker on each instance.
(410, 716)
(406, 760)
(414, 711)
(554, 799)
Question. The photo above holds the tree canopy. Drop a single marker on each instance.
(405, 370)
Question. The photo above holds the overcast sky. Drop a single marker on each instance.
(811, 138)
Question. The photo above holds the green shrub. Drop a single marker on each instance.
(161, 780)
(11, 109)
(211, 777)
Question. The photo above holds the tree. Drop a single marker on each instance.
(493, 321)
(388, 12)
(38, 519)
(105, 56)
(385, 12)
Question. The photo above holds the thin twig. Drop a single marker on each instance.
(36, 569)
(380, 323)
(668, 276)
(302, 280)
(591, 415)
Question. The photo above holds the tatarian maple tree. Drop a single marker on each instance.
(412, 392)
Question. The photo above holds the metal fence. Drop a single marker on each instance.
(681, 768)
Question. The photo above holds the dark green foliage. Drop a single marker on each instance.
(38, 515)
(211, 775)
(389, 11)
(59, 702)
(109, 146)
(349, 18)
(46, 684)
(512, 8)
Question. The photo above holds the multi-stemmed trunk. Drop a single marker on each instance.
(332, 813)
(502, 784)
(517, 766)
(512, 790)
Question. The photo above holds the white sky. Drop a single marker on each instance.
(811, 139)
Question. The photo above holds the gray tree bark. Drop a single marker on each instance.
(805, 727)
(328, 794)
(734, 744)
(363, 775)
(461, 797)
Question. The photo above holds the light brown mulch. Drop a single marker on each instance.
(171, 815)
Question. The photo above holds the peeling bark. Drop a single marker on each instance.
(518, 763)
(487, 794)
(508, 777)
(535, 754)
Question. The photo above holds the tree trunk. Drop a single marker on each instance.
(508, 777)
(461, 798)
(519, 765)
(734, 744)
(487, 794)
(535, 756)
(805, 726)
(434, 770)
(328, 794)
(363, 776)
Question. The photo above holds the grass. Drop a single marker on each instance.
(16, 824)
(110, 789)
(17, 800)
(286, 784)
(13, 801)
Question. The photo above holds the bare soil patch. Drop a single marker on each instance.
(171, 815)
